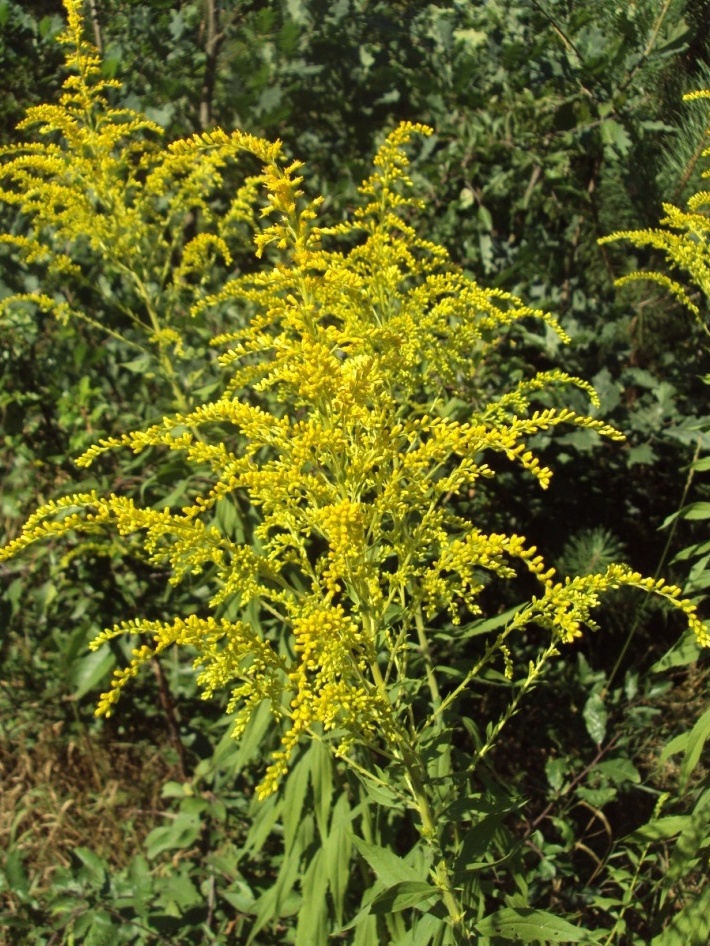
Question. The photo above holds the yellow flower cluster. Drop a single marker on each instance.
(331, 685)
(104, 201)
(682, 238)
(343, 526)
(337, 427)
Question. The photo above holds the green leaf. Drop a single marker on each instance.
(313, 922)
(295, 794)
(403, 895)
(181, 833)
(102, 932)
(697, 737)
(692, 838)
(532, 926)
(95, 869)
(15, 874)
(337, 851)
(425, 928)
(489, 624)
(595, 717)
(685, 652)
(555, 770)
(619, 771)
(615, 135)
(178, 890)
(641, 454)
(476, 843)
(366, 930)
(660, 829)
(466, 198)
(690, 927)
(676, 38)
(381, 794)
(696, 511)
(389, 868)
(239, 895)
(485, 218)
(89, 671)
(280, 898)
(322, 784)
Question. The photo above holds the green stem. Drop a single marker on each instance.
(476, 669)
(442, 875)
(428, 662)
(416, 778)
(533, 673)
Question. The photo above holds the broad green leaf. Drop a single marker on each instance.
(614, 134)
(485, 218)
(403, 895)
(312, 925)
(466, 198)
(595, 717)
(641, 454)
(697, 510)
(179, 834)
(555, 770)
(660, 829)
(675, 39)
(240, 896)
(88, 672)
(178, 890)
(476, 843)
(532, 926)
(685, 652)
(15, 873)
(337, 853)
(389, 868)
(619, 770)
(139, 885)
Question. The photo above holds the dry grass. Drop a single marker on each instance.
(64, 791)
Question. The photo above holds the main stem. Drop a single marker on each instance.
(416, 779)
(442, 874)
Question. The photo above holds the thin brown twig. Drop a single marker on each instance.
(96, 23)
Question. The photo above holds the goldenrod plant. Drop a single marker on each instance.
(680, 891)
(682, 239)
(345, 434)
(115, 218)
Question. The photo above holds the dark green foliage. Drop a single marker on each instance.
(29, 58)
